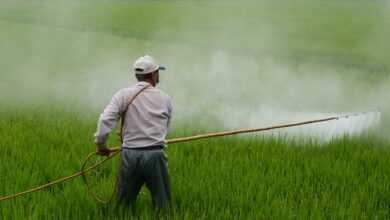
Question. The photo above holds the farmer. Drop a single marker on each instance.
(146, 114)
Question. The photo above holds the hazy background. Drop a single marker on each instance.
(236, 65)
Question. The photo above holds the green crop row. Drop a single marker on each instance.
(338, 31)
(246, 177)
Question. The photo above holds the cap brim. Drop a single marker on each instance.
(162, 68)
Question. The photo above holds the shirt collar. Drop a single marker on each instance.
(142, 83)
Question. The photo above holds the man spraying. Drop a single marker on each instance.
(146, 114)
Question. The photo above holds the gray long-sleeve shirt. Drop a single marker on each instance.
(146, 121)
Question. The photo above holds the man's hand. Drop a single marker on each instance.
(103, 151)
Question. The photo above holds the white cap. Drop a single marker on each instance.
(145, 65)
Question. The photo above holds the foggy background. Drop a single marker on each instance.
(229, 65)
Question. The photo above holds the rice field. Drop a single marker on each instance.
(62, 60)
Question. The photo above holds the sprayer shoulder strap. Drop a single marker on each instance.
(123, 115)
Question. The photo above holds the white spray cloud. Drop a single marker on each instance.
(234, 89)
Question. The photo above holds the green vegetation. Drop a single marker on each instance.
(240, 177)
(57, 58)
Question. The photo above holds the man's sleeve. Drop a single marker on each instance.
(108, 120)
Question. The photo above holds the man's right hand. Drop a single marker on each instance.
(103, 151)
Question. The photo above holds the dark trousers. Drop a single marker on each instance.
(144, 166)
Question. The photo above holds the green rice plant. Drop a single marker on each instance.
(249, 176)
